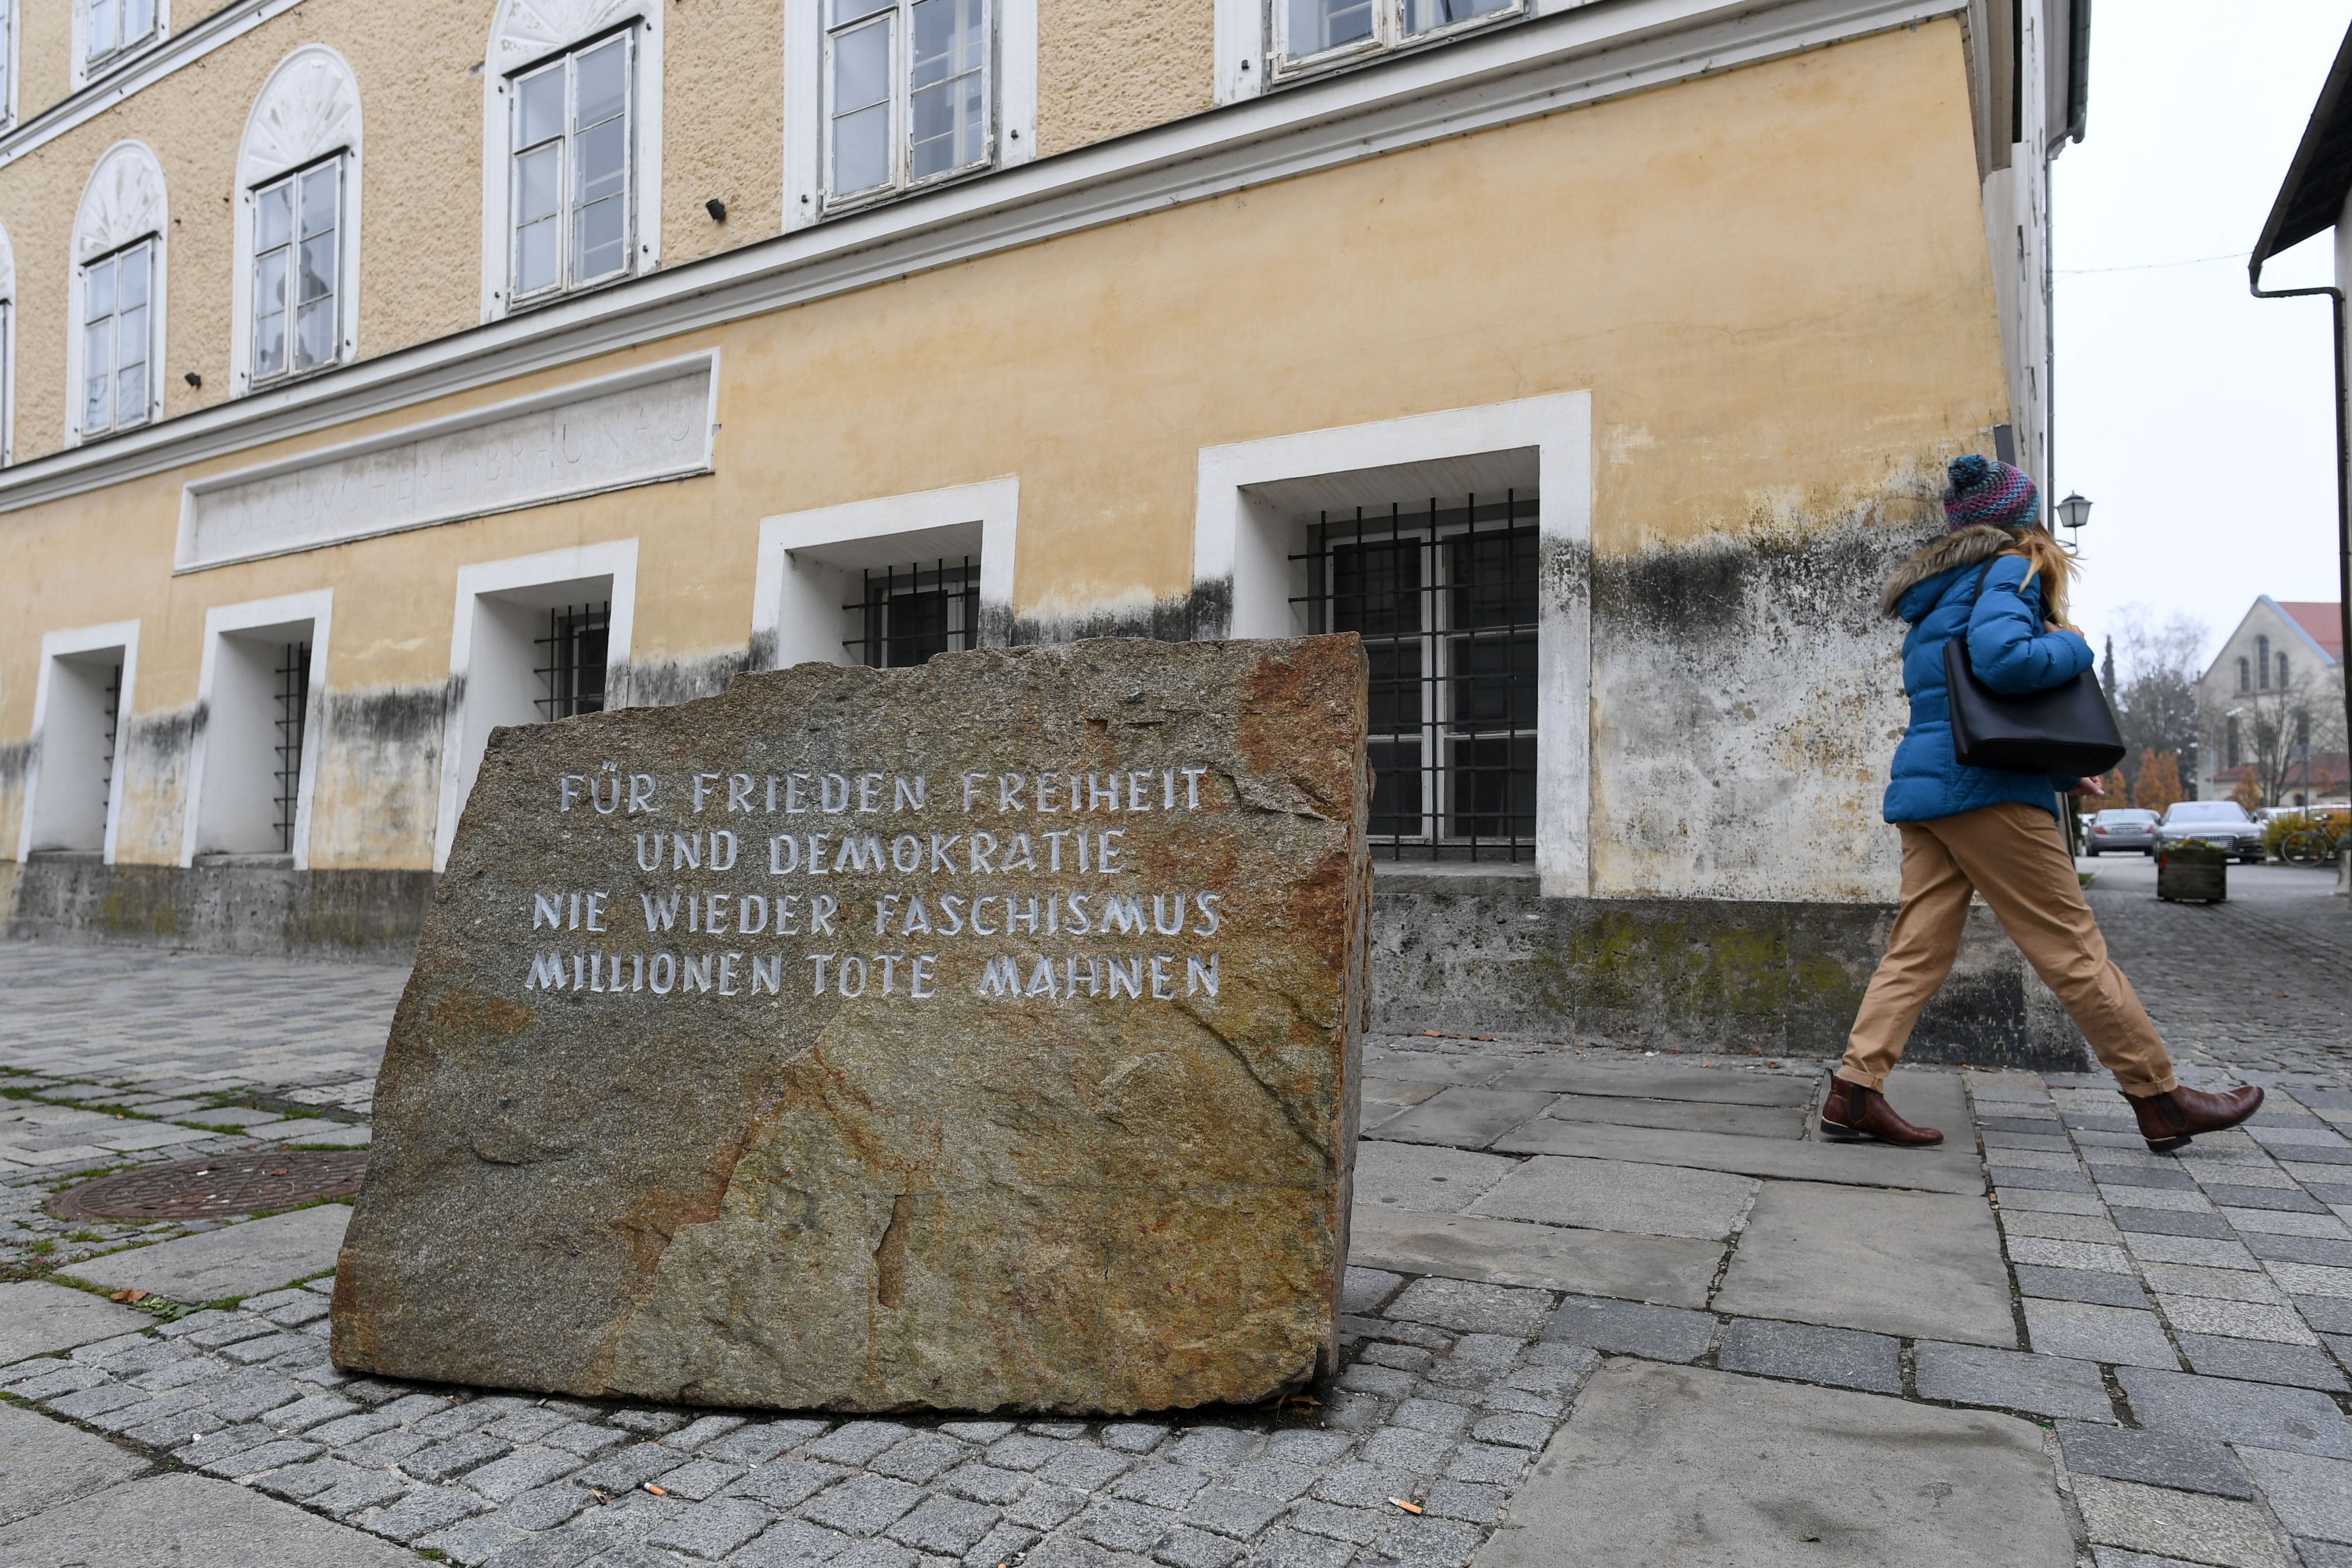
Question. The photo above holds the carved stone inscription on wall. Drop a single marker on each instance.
(606, 435)
(970, 1035)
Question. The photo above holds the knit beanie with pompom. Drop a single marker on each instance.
(1987, 491)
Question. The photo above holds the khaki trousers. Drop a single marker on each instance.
(2012, 854)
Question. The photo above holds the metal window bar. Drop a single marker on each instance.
(114, 708)
(571, 676)
(293, 712)
(905, 617)
(1443, 595)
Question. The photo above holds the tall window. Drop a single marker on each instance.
(1314, 32)
(570, 202)
(117, 28)
(116, 338)
(297, 234)
(2282, 672)
(2245, 675)
(2262, 661)
(906, 92)
(1443, 595)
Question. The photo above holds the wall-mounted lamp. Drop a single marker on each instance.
(2074, 511)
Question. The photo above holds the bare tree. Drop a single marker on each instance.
(2156, 704)
(2286, 732)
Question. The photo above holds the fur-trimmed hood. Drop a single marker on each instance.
(1969, 547)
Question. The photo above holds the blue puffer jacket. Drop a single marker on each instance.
(1943, 591)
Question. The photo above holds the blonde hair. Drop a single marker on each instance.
(2047, 559)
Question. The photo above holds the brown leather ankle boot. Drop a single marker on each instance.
(2169, 1121)
(1852, 1113)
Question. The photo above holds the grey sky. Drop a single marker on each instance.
(2194, 416)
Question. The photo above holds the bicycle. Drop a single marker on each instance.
(2310, 846)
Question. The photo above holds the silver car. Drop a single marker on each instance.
(2121, 827)
(2222, 822)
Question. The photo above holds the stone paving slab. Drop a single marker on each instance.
(1946, 1169)
(1512, 1252)
(1425, 1179)
(1606, 1195)
(1681, 1115)
(1765, 1474)
(37, 1318)
(1465, 1118)
(189, 1520)
(240, 1260)
(1663, 1081)
(45, 1462)
(1915, 1264)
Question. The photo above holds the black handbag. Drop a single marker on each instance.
(2066, 732)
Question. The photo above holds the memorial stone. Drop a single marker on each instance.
(978, 1034)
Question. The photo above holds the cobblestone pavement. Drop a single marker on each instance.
(112, 1058)
(2256, 989)
(2173, 1329)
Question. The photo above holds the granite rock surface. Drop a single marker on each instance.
(972, 1036)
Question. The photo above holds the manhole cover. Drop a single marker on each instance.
(214, 1189)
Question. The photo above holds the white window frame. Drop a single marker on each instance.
(806, 560)
(525, 35)
(1013, 109)
(901, 102)
(123, 204)
(56, 647)
(565, 216)
(293, 249)
(207, 775)
(7, 349)
(152, 245)
(1242, 547)
(307, 112)
(89, 67)
(1388, 35)
(11, 24)
(479, 639)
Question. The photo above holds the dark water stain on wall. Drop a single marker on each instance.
(1489, 955)
(663, 683)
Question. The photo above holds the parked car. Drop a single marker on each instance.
(2120, 827)
(2221, 822)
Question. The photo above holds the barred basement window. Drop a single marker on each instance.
(904, 617)
(111, 712)
(571, 676)
(293, 696)
(1444, 597)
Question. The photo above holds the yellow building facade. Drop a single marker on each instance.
(375, 376)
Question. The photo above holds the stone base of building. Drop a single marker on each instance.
(1467, 950)
(264, 909)
(1472, 950)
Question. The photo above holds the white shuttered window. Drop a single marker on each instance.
(1313, 33)
(298, 225)
(571, 196)
(116, 338)
(116, 27)
(906, 86)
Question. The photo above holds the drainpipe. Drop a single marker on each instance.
(2342, 516)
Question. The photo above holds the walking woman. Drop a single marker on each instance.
(1997, 578)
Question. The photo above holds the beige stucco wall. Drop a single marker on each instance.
(1104, 68)
(1779, 354)
(421, 107)
(44, 55)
